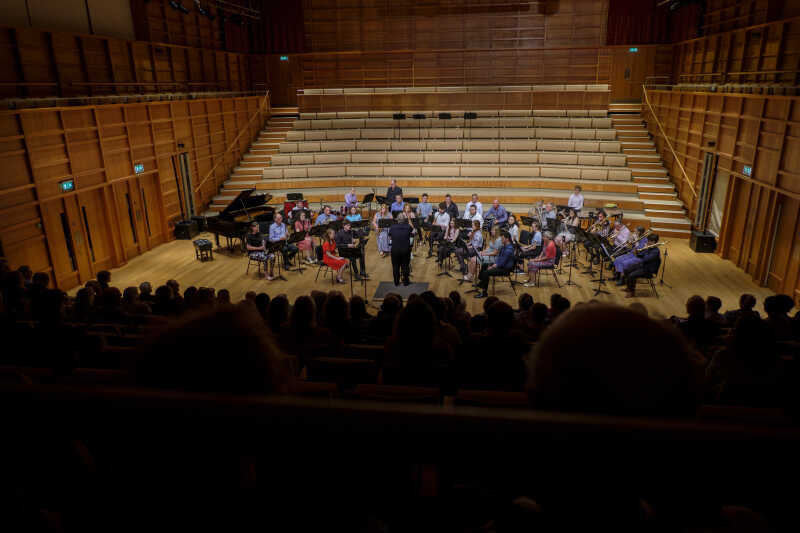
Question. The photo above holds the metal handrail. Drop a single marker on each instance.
(669, 144)
(260, 109)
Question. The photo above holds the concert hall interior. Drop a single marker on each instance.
(429, 237)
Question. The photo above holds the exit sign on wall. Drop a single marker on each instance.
(284, 58)
(747, 171)
(633, 49)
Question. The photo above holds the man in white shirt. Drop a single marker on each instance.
(472, 214)
(576, 199)
(476, 203)
(622, 233)
(442, 220)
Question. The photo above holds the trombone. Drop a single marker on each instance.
(628, 246)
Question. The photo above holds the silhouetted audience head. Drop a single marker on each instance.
(500, 318)
(262, 304)
(112, 298)
(391, 304)
(525, 301)
(278, 313)
(104, 278)
(713, 304)
(190, 297)
(696, 307)
(27, 273)
(336, 312)
(747, 302)
(145, 289)
(538, 313)
(358, 308)
(48, 308)
(223, 297)
(175, 286)
(41, 280)
(488, 302)
(568, 373)
(416, 325)
(228, 350)
(84, 304)
(130, 295)
(303, 318)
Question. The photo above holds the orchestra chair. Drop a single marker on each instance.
(508, 278)
(551, 269)
(259, 264)
(397, 393)
(322, 267)
(650, 280)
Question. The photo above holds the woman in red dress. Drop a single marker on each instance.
(306, 247)
(329, 256)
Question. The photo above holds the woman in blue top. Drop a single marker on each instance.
(383, 234)
(354, 215)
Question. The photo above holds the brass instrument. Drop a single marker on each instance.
(628, 246)
(643, 248)
(598, 226)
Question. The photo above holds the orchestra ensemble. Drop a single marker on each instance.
(484, 242)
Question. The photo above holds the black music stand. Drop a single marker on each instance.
(297, 236)
(368, 198)
(528, 221)
(601, 280)
(275, 248)
(418, 117)
(573, 244)
(663, 268)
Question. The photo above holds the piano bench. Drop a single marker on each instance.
(203, 250)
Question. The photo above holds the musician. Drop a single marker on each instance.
(576, 199)
(256, 249)
(353, 215)
(601, 229)
(400, 234)
(325, 217)
(446, 245)
(383, 234)
(546, 258)
(572, 218)
(278, 232)
(302, 223)
(513, 228)
(499, 213)
(503, 264)
(473, 214)
(535, 247)
(621, 233)
(329, 256)
(450, 206)
(393, 191)
(548, 214)
(650, 263)
(474, 246)
(344, 239)
(476, 203)
(350, 199)
(630, 260)
(487, 256)
(424, 208)
(397, 205)
(442, 220)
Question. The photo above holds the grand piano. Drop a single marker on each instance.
(234, 221)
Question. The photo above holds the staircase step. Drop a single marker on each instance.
(644, 165)
(662, 204)
(672, 232)
(657, 195)
(665, 213)
(644, 158)
(627, 143)
(650, 172)
(671, 223)
(651, 179)
(656, 187)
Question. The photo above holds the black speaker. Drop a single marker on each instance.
(185, 229)
(702, 242)
(201, 223)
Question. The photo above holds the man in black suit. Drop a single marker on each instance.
(344, 239)
(651, 262)
(393, 191)
(400, 235)
(450, 207)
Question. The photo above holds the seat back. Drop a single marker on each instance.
(558, 256)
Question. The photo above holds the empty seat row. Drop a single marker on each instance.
(521, 171)
(559, 158)
(455, 133)
(481, 122)
(481, 113)
(750, 88)
(563, 145)
(595, 87)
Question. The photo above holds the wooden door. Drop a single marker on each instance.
(98, 229)
(130, 226)
(152, 209)
(66, 238)
(630, 69)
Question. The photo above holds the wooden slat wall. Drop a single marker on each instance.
(762, 132)
(725, 15)
(766, 53)
(370, 25)
(42, 63)
(98, 146)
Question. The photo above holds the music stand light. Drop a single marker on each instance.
(418, 117)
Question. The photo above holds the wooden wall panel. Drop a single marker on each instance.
(39, 63)
(113, 213)
(758, 131)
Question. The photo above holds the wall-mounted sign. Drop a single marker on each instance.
(284, 58)
(748, 171)
(138, 168)
(66, 185)
(633, 49)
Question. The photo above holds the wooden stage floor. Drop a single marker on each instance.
(687, 273)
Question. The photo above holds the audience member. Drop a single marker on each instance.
(223, 297)
(146, 292)
(713, 305)
(698, 330)
(382, 325)
(131, 305)
(277, 313)
(777, 308)
(746, 304)
(413, 354)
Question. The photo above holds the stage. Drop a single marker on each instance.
(687, 273)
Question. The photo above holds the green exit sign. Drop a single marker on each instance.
(633, 49)
(284, 58)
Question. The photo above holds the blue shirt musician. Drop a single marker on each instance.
(424, 208)
(503, 264)
(350, 199)
(497, 213)
(650, 263)
(325, 217)
(277, 233)
(397, 205)
(630, 259)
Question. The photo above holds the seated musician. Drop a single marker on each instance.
(302, 223)
(546, 258)
(535, 247)
(350, 199)
(330, 257)
(629, 260)
(325, 217)
(393, 191)
(549, 214)
(651, 262)
(450, 206)
(576, 199)
(512, 228)
(474, 246)
(446, 245)
(502, 264)
(486, 257)
(397, 205)
(384, 247)
(601, 229)
(621, 233)
(473, 215)
(498, 214)
(424, 208)
(476, 203)
(571, 219)
(344, 239)
(441, 220)
(278, 232)
(256, 249)
(353, 215)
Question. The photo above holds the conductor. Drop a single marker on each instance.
(400, 235)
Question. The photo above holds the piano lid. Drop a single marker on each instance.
(244, 200)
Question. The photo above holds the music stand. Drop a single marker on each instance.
(275, 249)
(385, 223)
(418, 117)
(294, 196)
(528, 221)
(572, 256)
(601, 280)
(297, 236)
(663, 268)
(368, 198)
